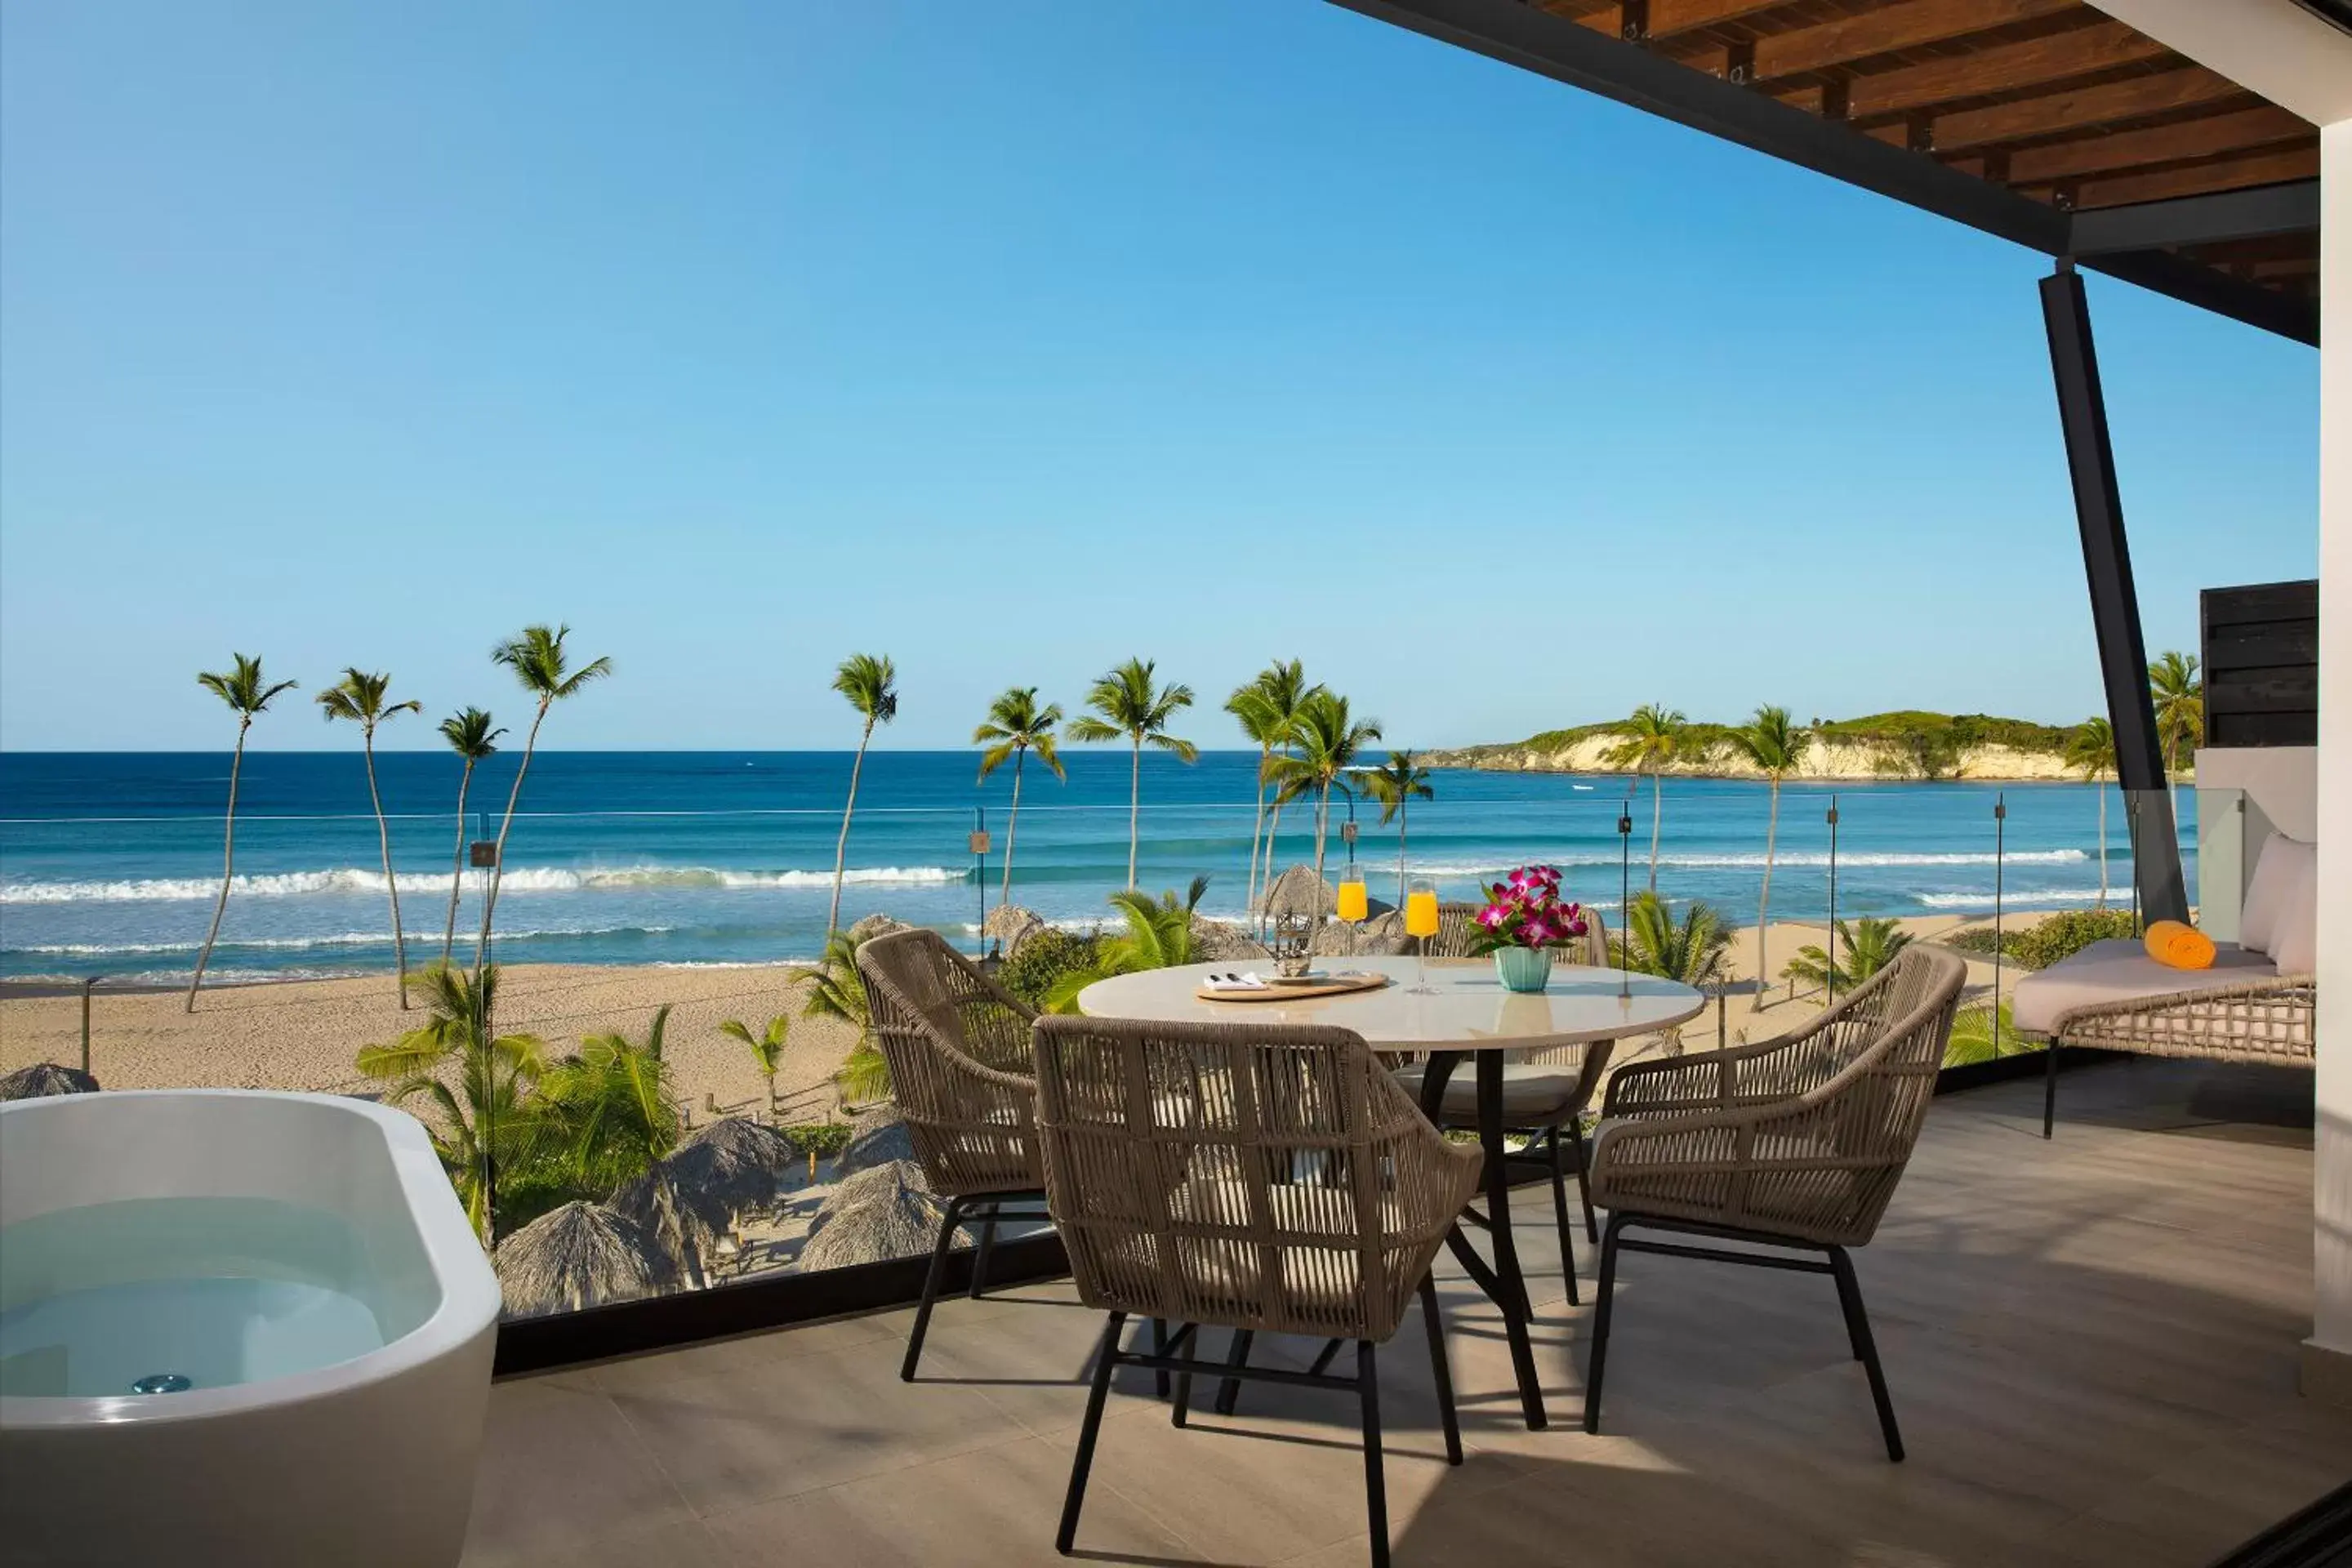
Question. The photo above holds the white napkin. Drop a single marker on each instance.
(1249, 981)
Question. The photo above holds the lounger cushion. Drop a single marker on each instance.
(2119, 970)
(2279, 870)
(2295, 944)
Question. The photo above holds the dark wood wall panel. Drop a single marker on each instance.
(2262, 665)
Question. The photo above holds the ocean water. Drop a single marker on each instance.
(109, 862)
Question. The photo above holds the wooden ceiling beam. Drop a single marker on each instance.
(2076, 108)
(2004, 67)
(1892, 28)
(2229, 174)
(2215, 134)
(1661, 19)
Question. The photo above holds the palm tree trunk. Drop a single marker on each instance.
(1764, 902)
(1134, 806)
(2102, 785)
(229, 863)
(841, 845)
(456, 865)
(1012, 826)
(1402, 808)
(391, 883)
(1657, 811)
(1322, 817)
(499, 860)
(1273, 827)
(1257, 831)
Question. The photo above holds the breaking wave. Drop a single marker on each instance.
(523, 879)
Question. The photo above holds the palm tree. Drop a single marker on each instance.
(247, 694)
(1015, 727)
(1268, 710)
(767, 1048)
(1127, 705)
(1328, 740)
(2091, 751)
(837, 990)
(608, 1110)
(540, 663)
(1864, 947)
(1776, 747)
(481, 1121)
(1396, 783)
(469, 734)
(871, 685)
(2179, 697)
(359, 697)
(1158, 935)
(1691, 951)
(1654, 737)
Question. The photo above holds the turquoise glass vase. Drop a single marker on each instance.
(1523, 968)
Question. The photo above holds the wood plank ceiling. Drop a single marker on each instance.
(2052, 98)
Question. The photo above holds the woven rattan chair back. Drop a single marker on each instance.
(1253, 1176)
(958, 1049)
(1804, 1137)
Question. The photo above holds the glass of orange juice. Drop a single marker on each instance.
(1355, 903)
(1421, 921)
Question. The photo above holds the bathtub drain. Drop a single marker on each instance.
(162, 1382)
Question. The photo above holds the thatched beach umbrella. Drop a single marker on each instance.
(879, 1137)
(692, 1195)
(885, 1213)
(1010, 925)
(1299, 892)
(43, 1080)
(582, 1254)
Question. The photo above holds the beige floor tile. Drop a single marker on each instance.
(561, 1470)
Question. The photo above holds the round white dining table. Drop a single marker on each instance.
(1443, 1011)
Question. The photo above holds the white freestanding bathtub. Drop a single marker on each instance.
(292, 1277)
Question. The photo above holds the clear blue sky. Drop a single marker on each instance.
(1011, 339)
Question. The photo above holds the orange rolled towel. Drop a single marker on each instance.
(2179, 946)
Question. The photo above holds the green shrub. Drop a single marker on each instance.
(822, 1139)
(1043, 959)
(1972, 939)
(2053, 937)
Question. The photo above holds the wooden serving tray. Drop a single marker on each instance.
(1338, 985)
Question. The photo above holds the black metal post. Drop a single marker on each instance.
(1999, 867)
(2115, 601)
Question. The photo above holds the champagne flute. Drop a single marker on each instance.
(1355, 902)
(1421, 921)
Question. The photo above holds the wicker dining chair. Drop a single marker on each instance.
(960, 1058)
(1545, 1093)
(1793, 1144)
(1259, 1178)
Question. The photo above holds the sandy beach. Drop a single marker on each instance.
(302, 1035)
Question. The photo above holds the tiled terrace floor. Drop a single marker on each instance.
(2092, 1345)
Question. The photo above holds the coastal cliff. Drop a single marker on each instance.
(1914, 745)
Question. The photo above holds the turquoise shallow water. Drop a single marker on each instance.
(109, 862)
(217, 1291)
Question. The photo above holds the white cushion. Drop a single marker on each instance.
(2294, 943)
(2282, 864)
(2119, 970)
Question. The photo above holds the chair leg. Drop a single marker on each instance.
(2049, 1088)
(1229, 1389)
(1183, 1405)
(948, 1223)
(1867, 1349)
(1440, 1373)
(1088, 1429)
(979, 1257)
(1376, 1489)
(1324, 1357)
(1600, 1355)
(1584, 1181)
(1560, 1216)
(1160, 1347)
